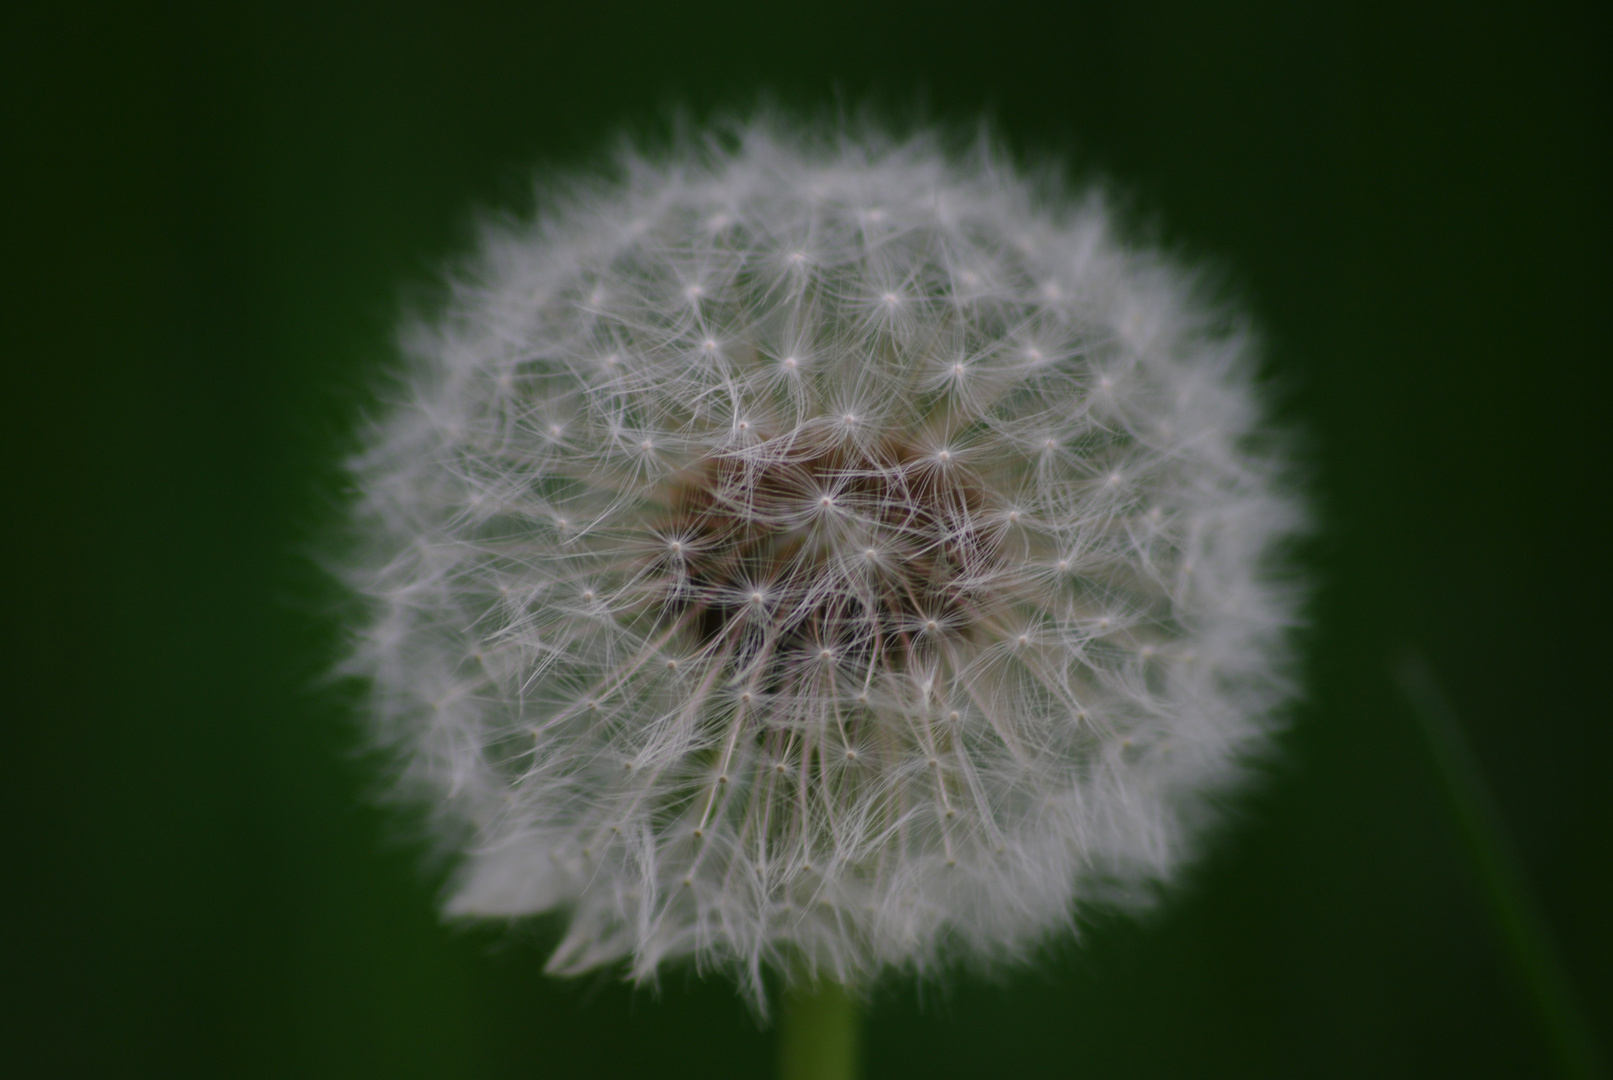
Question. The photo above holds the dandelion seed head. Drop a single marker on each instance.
(880, 648)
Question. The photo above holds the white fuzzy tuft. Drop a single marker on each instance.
(820, 554)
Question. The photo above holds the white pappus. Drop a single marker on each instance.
(819, 552)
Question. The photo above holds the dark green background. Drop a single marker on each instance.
(212, 214)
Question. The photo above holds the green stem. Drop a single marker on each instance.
(820, 1033)
(1505, 887)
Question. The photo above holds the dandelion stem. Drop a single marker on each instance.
(820, 1033)
(1506, 889)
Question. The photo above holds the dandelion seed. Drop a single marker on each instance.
(831, 651)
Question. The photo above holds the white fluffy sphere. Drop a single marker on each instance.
(825, 553)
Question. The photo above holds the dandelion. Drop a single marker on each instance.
(819, 554)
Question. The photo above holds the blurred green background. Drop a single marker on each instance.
(212, 215)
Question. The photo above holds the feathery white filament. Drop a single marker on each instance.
(822, 554)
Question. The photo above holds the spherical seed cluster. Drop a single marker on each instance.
(819, 553)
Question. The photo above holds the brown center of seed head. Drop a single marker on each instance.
(852, 555)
